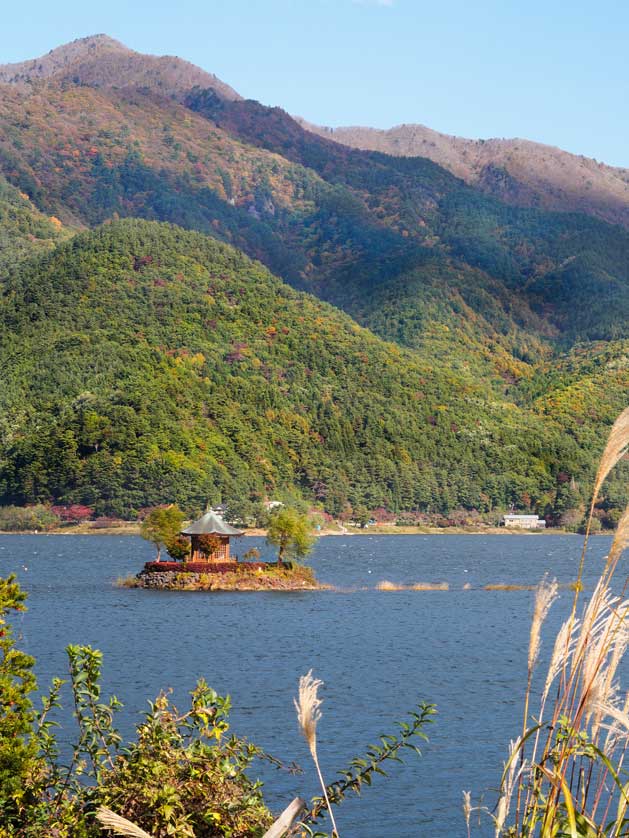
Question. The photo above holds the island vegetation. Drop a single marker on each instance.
(203, 564)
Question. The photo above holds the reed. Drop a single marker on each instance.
(567, 763)
(509, 586)
(385, 585)
(126, 582)
(308, 715)
(429, 586)
(119, 825)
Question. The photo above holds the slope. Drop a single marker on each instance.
(141, 364)
(87, 155)
(571, 269)
(317, 213)
(24, 231)
(486, 292)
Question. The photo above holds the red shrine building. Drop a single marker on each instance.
(210, 539)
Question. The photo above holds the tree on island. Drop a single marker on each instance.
(179, 548)
(162, 527)
(291, 532)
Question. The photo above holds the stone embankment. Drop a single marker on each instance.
(241, 578)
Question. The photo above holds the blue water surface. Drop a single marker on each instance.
(379, 654)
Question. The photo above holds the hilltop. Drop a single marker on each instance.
(101, 61)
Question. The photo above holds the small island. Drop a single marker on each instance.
(200, 557)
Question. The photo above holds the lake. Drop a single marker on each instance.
(378, 652)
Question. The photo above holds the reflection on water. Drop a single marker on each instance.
(378, 651)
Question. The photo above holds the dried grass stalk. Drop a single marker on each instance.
(562, 651)
(545, 595)
(467, 810)
(620, 542)
(121, 826)
(308, 715)
(511, 779)
(617, 446)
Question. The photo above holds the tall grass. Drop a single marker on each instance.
(566, 769)
(385, 585)
(308, 715)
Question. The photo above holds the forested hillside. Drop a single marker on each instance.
(552, 262)
(24, 231)
(86, 148)
(142, 364)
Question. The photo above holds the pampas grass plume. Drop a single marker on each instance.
(617, 445)
(119, 825)
(308, 716)
(308, 712)
(545, 595)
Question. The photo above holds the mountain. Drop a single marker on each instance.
(325, 217)
(407, 212)
(517, 171)
(493, 316)
(101, 61)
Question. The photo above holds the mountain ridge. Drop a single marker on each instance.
(519, 171)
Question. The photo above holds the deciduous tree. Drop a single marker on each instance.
(291, 532)
(162, 526)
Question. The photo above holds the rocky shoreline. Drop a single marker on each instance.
(297, 578)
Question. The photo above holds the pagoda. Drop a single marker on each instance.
(210, 536)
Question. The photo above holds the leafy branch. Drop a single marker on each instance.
(363, 769)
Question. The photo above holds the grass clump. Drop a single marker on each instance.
(385, 585)
(127, 581)
(565, 774)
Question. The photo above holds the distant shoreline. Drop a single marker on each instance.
(133, 529)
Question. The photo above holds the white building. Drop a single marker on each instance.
(524, 522)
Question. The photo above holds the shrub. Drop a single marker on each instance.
(27, 518)
(179, 548)
(181, 775)
(74, 514)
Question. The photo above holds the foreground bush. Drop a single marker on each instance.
(183, 775)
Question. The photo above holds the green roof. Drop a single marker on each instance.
(210, 524)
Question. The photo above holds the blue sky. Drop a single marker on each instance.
(554, 71)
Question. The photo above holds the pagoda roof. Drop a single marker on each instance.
(211, 524)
